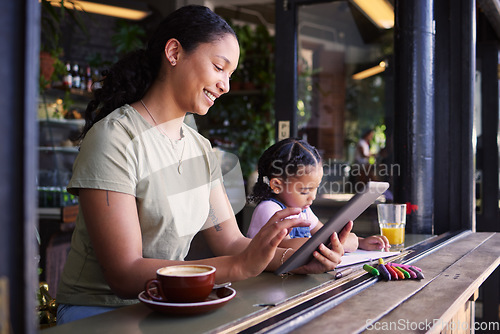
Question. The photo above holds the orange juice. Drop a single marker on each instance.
(395, 235)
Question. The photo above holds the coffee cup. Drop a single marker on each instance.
(181, 283)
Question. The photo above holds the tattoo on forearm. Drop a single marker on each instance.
(107, 198)
(213, 218)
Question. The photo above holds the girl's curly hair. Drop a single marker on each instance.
(283, 159)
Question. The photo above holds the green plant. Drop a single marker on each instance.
(51, 67)
(128, 37)
(305, 84)
(365, 104)
(54, 14)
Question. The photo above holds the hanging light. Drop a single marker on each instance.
(370, 71)
(138, 12)
(380, 12)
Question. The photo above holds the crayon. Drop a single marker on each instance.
(404, 266)
(400, 274)
(371, 270)
(411, 273)
(414, 267)
(381, 261)
(394, 275)
(419, 274)
(384, 273)
(407, 274)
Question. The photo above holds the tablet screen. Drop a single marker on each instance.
(350, 211)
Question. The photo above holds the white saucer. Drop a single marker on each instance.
(216, 299)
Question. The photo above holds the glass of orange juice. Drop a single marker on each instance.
(392, 222)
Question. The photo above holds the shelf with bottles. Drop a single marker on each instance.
(55, 197)
(54, 173)
(79, 79)
(60, 119)
(67, 95)
(61, 105)
(55, 163)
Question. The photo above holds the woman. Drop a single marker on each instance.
(362, 169)
(363, 148)
(147, 183)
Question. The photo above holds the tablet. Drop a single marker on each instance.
(350, 211)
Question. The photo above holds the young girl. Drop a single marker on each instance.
(290, 173)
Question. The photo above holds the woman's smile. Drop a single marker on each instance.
(210, 95)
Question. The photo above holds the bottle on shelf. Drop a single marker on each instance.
(68, 78)
(88, 78)
(76, 77)
(96, 79)
(83, 80)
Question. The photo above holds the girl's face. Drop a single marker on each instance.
(300, 191)
(203, 75)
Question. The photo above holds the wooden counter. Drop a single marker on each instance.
(454, 268)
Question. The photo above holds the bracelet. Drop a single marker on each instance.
(283, 255)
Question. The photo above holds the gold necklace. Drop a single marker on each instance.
(179, 166)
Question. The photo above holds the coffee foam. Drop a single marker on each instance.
(185, 271)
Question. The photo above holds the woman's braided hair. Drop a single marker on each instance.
(283, 159)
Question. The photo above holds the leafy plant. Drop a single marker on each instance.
(365, 104)
(305, 84)
(54, 15)
(128, 37)
(95, 60)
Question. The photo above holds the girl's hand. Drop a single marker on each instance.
(325, 259)
(346, 231)
(374, 242)
(262, 249)
(348, 239)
